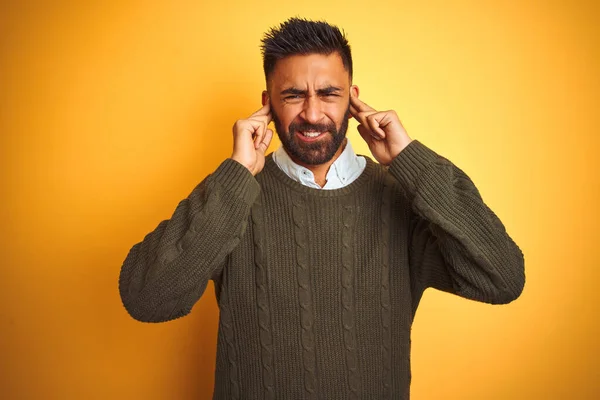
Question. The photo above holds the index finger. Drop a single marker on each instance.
(264, 110)
(359, 105)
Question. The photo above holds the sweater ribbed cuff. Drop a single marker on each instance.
(408, 165)
(237, 180)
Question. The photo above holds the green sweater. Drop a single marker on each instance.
(317, 289)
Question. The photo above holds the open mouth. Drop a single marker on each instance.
(310, 135)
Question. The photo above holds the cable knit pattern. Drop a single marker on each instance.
(226, 324)
(262, 301)
(305, 297)
(386, 345)
(348, 311)
(317, 289)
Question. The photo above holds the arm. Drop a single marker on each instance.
(164, 275)
(457, 243)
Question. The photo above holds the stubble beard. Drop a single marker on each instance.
(315, 153)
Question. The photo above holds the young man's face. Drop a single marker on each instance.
(309, 97)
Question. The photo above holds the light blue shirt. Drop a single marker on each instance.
(344, 170)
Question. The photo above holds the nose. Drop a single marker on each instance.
(312, 112)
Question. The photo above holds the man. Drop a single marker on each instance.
(320, 256)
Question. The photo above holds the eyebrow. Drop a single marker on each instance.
(325, 90)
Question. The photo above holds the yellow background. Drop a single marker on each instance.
(111, 112)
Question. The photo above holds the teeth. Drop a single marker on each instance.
(311, 134)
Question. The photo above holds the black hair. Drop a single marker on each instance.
(298, 36)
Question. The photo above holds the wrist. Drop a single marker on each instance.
(244, 163)
(399, 149)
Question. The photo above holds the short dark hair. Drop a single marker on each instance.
(299, 36)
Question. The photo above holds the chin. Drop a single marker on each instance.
(313, 155)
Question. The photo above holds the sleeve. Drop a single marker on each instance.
(163, 276)
(456, 242)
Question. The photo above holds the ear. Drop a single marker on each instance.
(265, 97)
(353, 93)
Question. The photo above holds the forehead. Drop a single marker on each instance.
(310, 71)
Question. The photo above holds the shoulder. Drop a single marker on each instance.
(381, 175)
(386, 186)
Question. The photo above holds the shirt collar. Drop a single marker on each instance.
(345, 169)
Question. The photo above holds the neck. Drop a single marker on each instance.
(320, 171)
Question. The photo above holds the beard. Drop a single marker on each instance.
(315, 153)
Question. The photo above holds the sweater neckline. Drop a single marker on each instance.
(272, 168)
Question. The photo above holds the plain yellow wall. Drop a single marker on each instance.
(111, 112)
